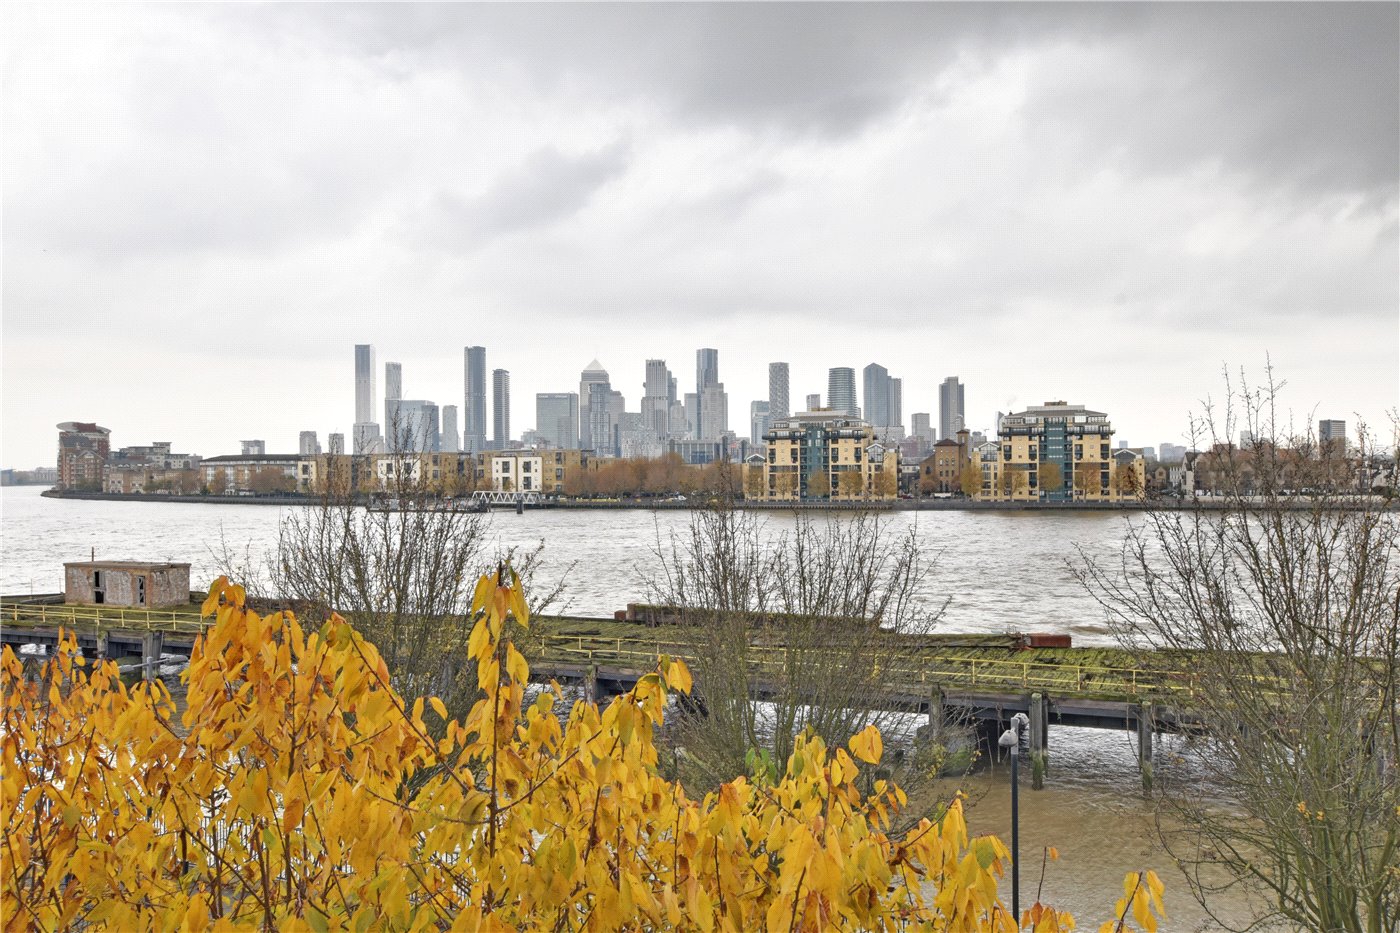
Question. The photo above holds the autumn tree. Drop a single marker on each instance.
(288, 795)
(754, 487)
(819, 485)
(1049, 477)
(1286, 614)
(218, 482)
(970, 479)
(850, 483)
(887, 484)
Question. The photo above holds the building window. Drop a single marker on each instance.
(1032, 454)
(1103, 451)
(1006, 452)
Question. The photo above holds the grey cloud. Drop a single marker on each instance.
(546, 187)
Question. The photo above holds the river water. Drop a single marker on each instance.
(999, 571)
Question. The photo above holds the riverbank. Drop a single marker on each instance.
(888, 505)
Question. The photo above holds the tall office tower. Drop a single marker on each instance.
(706, 375)
(692, 416)
(393, 380)
(884, 399)
(364, 383)
(451, 443)
(336, 444)
(1332, 436)
(411, 425)
(841, 390)
(952, 416)
(500, 403)
(814, 401)
(593, 374)
(656, 398)
(778, 391)
(308, 445)
(760, 417)
(475, 415)
(605, 410)
(1246, 440)
(254, 448)
(921, 427)
(367, 438)
(556, 419)
(714, 412)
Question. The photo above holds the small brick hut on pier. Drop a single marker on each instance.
(126, 583)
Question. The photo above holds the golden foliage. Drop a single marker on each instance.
(282, 798)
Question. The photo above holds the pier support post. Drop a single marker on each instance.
(1143, 714)
(151, 645)
(590, 684)
(1040, 723)
(935, 714)
(100, 646)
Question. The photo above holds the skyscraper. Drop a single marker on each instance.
(884, 399)
(814, 401)
(952, 417)
(778, 391)
(714, 412)
(1332, 436)
(500, 403)
(364, 382)
(556, 419)
(593, 374)
(308, 445)
(656, 398)
(451, 443)
(412, 425)
(760, 417)
(335, 443)
(706, 376)
(474, 416)
(841, 390)
(393, 380)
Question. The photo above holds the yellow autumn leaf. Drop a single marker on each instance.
(867, 745)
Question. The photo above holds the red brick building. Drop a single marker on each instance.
(83, 449)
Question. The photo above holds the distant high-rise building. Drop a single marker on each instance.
(556, 419)
(308, 445)
(411, 425)
(921, 426)
(1246, 440)
(778, 391)
(714, 412)
(254, 448)
(474, 412)
(364, 383)
(500, 404)
(656, 398)
(706, 378)
(606, 407)
(393, 380)
(841, 391)
(593, 374)
(1332, 435)
(335, 443)
(692, 416)
(952, 414)
(451, 442)
(760, 416)
(814, 401)
(367, 437)
(884, 400)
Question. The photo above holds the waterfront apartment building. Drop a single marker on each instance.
(556, 419)
(778, 405)
(827, 455)
(841, 391)
(1058, 452)
(474, 417)
(952, 412)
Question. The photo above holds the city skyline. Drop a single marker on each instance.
(1002, 192)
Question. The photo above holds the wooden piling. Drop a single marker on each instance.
(590, 684)
(151, 645)
(1143, 714)
(1040, 724)
(935, 714)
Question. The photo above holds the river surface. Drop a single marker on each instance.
(999, 571)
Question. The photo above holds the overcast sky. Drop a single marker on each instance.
(207, 206)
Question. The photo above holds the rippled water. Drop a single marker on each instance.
(1001, 571)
